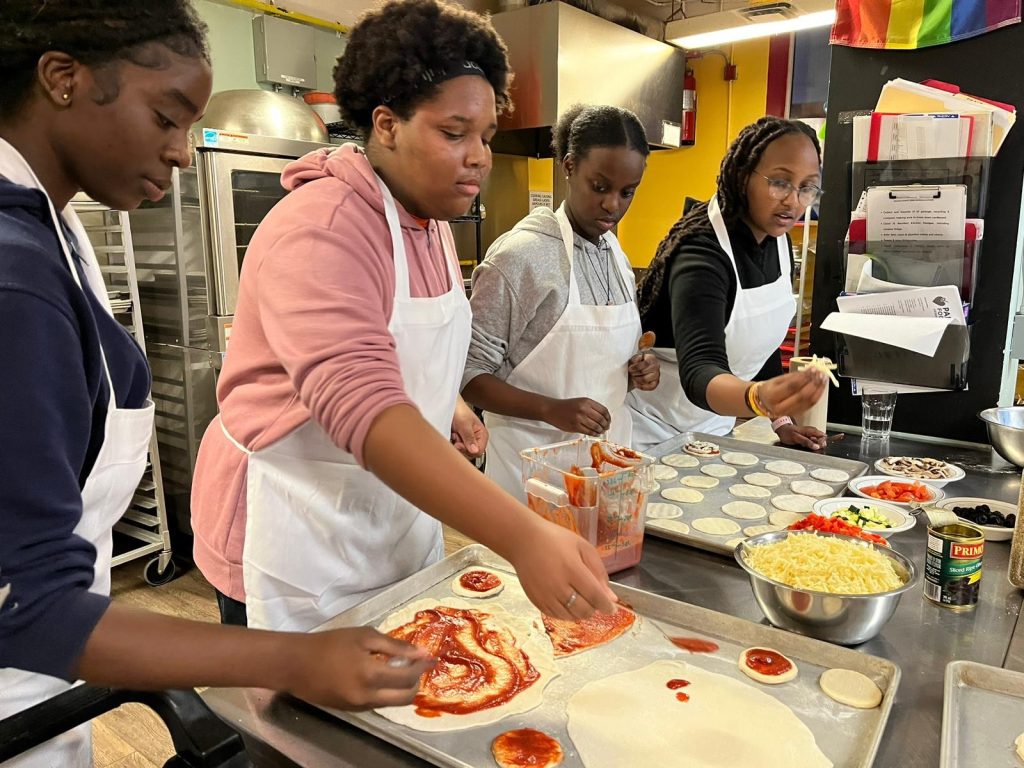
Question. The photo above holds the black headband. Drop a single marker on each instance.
(456, 70)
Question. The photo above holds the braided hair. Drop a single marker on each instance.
(393, 50)
(94, 32)
(583, 127)
(739, 162)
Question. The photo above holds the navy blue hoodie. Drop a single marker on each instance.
(53, 404)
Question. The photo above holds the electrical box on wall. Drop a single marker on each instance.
(284, 52)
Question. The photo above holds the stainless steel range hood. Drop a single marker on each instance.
(562, 56)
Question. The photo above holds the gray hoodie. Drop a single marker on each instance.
(522, 286)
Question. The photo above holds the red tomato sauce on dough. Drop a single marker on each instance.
(525, 748)
(479, 581)
(767, 662)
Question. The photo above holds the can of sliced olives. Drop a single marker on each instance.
(952, 565)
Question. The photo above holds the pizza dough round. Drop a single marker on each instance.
(716, 526)
(740, 459)
(784, 519)
(1019, 744)
(785, 467)
(811, 488)
(680, 460)
(749, 491)
(685, 495)
(659, 510)
(673, 526)
(757, 530)
(753, 674)
(718, 470)
(850, 688)
(744, 510)
(702, 448)
(789, 502)
(762, 479)
(733, 543)
(633, 719)
(699, 481)
(461, 591)
(514, 749)
(661, 472)
(830, 475)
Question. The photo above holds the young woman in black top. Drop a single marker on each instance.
(718, 295)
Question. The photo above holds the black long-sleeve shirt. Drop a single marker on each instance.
(696, 301)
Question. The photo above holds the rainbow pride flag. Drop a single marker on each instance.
(918, 23)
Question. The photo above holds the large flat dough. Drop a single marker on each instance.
(763, 479)
(718, 470)
(716, 526)
(811, 488)
(744, 510)
(785, 467)
(659, 510)
(740, 459)
(830, 475)
(661, 472)
(634, 719)
(684, 495)
(672, 526)
(530, 637)
(699, 481)
(680, 460)
(851, 688)
(743, 491)
(789, 502)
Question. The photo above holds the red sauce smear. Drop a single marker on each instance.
(683, 696)
(767, 662)
(677, 683)
(525, 748)
(573, 636)
(694, 644)
(479, 665)
(479, 581)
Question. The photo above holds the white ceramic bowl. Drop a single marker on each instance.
(865, 480)
(959, 475)
(901, 521)
(992, 532)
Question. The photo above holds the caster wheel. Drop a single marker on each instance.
(154, 577)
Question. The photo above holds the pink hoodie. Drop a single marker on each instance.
(310, 337)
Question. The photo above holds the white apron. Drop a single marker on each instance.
(585, 354)
(322, 533)
(757, 327)
(107, 492)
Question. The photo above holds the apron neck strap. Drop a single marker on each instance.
(565, 228)
(722, 233)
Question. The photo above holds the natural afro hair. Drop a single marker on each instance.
(95, 32)
(583, 127)
(739, 162)
(392, 50)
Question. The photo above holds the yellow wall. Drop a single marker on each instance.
(723, 109)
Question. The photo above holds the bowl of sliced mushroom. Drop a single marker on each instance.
(933, 471)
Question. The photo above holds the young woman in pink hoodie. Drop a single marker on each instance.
(329, 471)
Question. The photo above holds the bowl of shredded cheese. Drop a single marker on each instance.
(827, 586)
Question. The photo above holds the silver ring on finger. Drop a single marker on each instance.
(572, 599)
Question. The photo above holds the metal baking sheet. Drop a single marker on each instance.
(714, 498)
(849, 737)
(982, 715)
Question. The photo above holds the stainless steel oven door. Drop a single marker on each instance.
(239, 191)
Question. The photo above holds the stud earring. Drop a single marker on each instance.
(65, 96)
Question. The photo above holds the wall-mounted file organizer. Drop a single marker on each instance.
(972, 172)
(872, 360)
(918, 263)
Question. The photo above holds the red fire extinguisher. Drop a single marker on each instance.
(688, 134)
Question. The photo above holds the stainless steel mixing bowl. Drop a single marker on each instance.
(1006, 432)
(842, 619)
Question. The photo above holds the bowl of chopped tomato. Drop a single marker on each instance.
(892, 491)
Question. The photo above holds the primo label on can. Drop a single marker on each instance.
(952, 565)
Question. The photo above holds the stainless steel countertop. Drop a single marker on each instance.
(921, 637)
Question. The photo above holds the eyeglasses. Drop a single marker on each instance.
(780, 189)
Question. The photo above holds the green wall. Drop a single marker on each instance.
(231, 48)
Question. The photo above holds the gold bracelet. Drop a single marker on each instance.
(754, 401)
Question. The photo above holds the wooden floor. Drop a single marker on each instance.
(132, 736)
